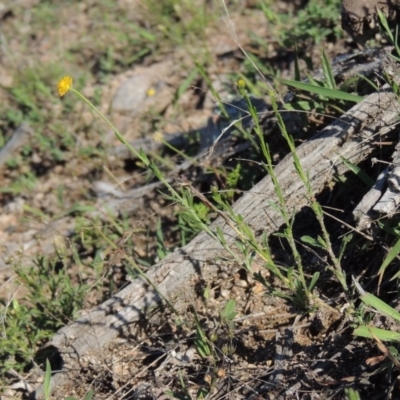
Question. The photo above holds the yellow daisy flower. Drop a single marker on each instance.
(64, 85)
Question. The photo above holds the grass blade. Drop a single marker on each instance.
(389, 258)
(327, 70)
(382, 334)
(330, 93)
(358, 172)
(379, 305)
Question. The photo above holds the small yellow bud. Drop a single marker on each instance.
(241, 83)
(151, 92)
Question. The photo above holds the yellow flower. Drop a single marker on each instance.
(151, 92)
(241, 83)
(158, 137)
(64, 85)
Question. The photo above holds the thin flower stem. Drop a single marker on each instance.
(180, 153)
(117, 133)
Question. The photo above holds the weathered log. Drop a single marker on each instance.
(351, 136)
(360, 17)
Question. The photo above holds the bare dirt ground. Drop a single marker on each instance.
(70, 184)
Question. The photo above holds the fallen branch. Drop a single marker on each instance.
(351, 136)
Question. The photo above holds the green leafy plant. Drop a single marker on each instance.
(47, 381)
(386, 29)
(383, 308)
(352, 394)
(201, 342)
(312, 23)
(379, 335)
(56, 291)
(178, 22)
(326, 90)
(51, 302)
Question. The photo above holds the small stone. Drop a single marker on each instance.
(241, 283)
(225, 293)
(190, 354)
(258, 288)
(132, 93)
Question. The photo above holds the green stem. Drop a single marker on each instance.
(117, 133)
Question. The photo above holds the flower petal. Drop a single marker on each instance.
(64, 85)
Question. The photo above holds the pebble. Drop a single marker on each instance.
(225, 293)
(224, 276)
(241, 283)
(132, 93)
